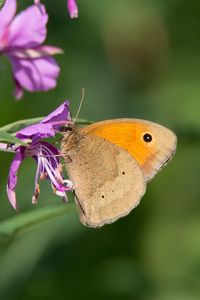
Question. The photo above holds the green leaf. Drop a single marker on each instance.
(16, 126)
(83, 122)
(2, 2)
(8, 138)
(26, 221)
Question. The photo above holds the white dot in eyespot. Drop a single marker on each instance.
(147, 137)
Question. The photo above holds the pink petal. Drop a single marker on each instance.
(36, 132)
(46, 128)
(28, 29)
(72, 8)
(12, 178)
(62, 113)
(35, 74)
(7, 13)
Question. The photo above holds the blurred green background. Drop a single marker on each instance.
(135, 58)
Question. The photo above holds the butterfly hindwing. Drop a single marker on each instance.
(108, 182)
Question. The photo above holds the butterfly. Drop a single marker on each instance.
(110, 163)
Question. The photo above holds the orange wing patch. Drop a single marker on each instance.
(128, 136)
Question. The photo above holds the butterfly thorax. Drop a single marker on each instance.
(71, 138)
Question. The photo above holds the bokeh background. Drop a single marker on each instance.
(135, 59)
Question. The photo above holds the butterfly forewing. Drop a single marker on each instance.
(130, 134)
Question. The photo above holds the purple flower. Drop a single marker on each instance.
(45, 154)
(72, 8)
(21, 37)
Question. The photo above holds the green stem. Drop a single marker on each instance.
(24, 222)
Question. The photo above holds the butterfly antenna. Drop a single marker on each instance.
(81, 102)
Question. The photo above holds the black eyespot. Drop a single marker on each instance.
(123, 173)
(102, 196)
(147, 137)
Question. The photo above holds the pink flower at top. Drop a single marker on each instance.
(21, 37)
